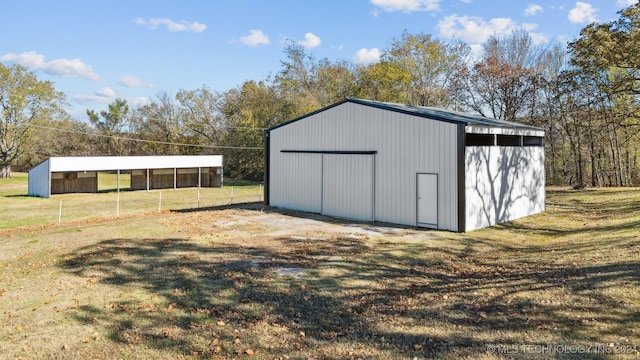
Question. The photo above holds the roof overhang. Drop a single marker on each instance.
(528, 131)
(111, 163)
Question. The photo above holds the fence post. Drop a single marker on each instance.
(260, 193)
(198, 197)
(118, 205)
(232, 195)
(160, 201)
(60, 213)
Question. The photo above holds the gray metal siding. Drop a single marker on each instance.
(405, 145)
(40, 180)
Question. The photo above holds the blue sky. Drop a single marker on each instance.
(96, 51)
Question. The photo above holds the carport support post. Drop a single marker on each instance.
(199, 181)
(118, 192)
(147, 180)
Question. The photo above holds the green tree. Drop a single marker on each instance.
(612, 47)
(312, 83)
(335, 82)
(201, 117)
(297, 78)
(608, 56)
(249, 109)
(111, 124)
(24, 101)
(158, 122)
(382, 81)
(70, 138)
(429, 67)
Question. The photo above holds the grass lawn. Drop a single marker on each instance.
(247, 283)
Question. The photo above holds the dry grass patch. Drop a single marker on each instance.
(242, 283)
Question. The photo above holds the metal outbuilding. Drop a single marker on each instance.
(60, 175)
(409, 165)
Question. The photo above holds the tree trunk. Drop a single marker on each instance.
(5, 172)
(614, 162)
(592, 154)
(623, 177)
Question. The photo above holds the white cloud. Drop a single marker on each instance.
(625, 3)
(172, 25)
(537, 38)
(473, 29)
(310, 41)
(138, 101)
(466, 1)
(366, 56)
(61, 67)
(255, 38)
(101, 96)
(130, 81)
(407, 5)
(106, 92)
(532, 9)
(582, 13)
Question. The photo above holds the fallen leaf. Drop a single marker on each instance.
(249, 352)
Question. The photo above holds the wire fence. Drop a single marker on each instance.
(110, 203)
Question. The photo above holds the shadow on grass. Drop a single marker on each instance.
(398, 300)
(115, 190)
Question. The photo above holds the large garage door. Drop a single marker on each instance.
(347, 186)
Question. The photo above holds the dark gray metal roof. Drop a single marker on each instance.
(426, 112)
(443, 114)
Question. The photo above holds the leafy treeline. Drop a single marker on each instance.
(585, 96)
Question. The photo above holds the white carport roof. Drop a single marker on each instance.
(108, 163)
(40, 175)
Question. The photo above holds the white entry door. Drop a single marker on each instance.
(427, 200)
